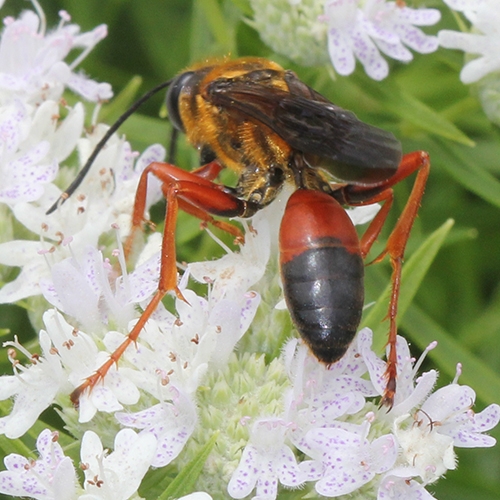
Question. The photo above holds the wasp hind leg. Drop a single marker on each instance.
(396, 243)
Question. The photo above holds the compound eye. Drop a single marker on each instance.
(172, 99)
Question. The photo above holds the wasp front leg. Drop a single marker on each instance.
(194, 193)
(396, 244)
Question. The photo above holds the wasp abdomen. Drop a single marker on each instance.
(322, 272)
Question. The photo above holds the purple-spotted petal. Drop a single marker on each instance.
(171, 423)
(341, 52)
(400, 488)
(244, 478)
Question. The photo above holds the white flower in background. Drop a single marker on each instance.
(312, 31)
(32, 65)
(362, 30)
(482, 66)
(33, 76)
(483, 40)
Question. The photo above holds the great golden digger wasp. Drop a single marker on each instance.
(262, 122)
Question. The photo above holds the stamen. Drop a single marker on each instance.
(219, 241)
(417, 365)
(41, 15)
(457, 373)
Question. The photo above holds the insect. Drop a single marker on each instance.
(271, 129)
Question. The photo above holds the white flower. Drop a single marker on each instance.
(362, 31)
(408, 393)
(105, 198)
(116, 476)
(321, 395)
(33, 388)
(108, 476)
(68, 357)
(50, 477)
(449, 410)
(266, 460)
(398, 485)
(80, 357)
(171, 423)
(91, 292)
(484, 39)
(24, 171)
(346, 460)
(32, 62)
(179, 350)
(427, 451)
(33, 144)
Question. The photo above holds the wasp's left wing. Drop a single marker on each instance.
(352, 150)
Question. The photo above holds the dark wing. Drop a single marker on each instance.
(350, 149)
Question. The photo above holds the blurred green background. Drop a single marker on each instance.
(423, 103)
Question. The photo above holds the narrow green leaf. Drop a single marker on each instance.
(244, 6)
(463, 166)
(8, 446)
(413, 273)
(418, 113)
(218, 26)
(184, 481)
(414, 111)
(423, 330)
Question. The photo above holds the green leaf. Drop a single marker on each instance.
(423, 330)
(221, 30)
(419, 114)
(413, 273)
(462, 165)
(184, 482)
(414, 111)
(244, 6)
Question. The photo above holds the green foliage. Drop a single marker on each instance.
(424, 103)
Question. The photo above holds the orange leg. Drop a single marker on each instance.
(193, 192)
(396, 244)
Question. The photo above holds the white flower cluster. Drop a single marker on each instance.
(116, 475)
(312, 31)
(308, 31)
(350, 441)
(362, 30)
